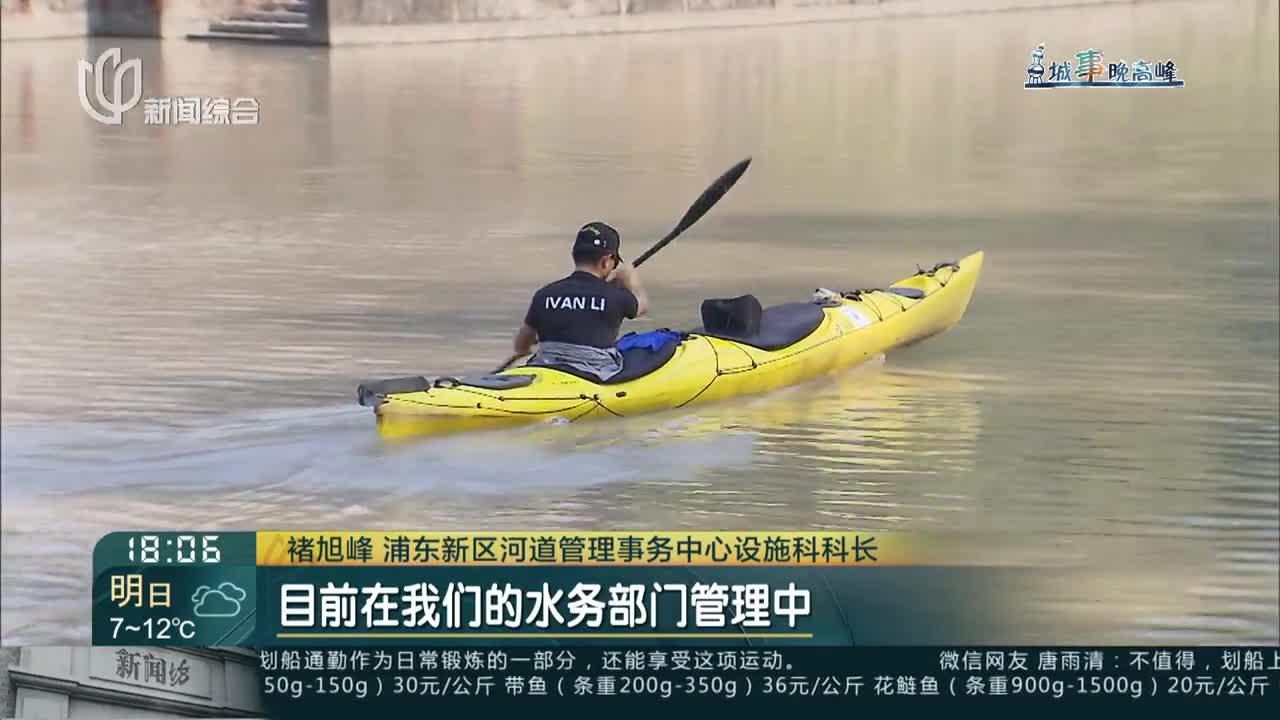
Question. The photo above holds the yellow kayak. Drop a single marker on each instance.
(795, 342)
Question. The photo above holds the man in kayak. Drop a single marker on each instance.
(575, 320)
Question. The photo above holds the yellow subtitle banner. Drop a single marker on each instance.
(730, 548)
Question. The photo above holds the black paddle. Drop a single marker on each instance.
(705, 202)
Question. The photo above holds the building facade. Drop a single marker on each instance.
(96, 683)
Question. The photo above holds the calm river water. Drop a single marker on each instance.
(187, 310)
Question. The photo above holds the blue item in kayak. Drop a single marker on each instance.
(653, 340)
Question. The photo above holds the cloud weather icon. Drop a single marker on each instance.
(222, 601)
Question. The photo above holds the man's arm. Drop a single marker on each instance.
(526, 338)
(628, 277)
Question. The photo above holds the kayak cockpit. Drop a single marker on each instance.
(636, 363)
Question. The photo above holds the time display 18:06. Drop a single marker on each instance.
(178, 549)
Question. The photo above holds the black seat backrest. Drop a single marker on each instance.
(780, 326)
(738, 316)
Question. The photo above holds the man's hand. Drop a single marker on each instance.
(623, 274)
(628, 277)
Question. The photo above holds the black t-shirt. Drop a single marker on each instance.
(581, 309)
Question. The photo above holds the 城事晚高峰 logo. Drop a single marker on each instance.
(108, 108)
(1088, 70)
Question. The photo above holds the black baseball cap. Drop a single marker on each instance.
(599, 237)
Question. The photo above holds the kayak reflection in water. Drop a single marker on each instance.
(575, 320)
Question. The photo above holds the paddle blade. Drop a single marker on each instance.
(705, 202)
(711, 196)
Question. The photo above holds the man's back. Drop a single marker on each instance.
(575, 320)
(581, 309)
